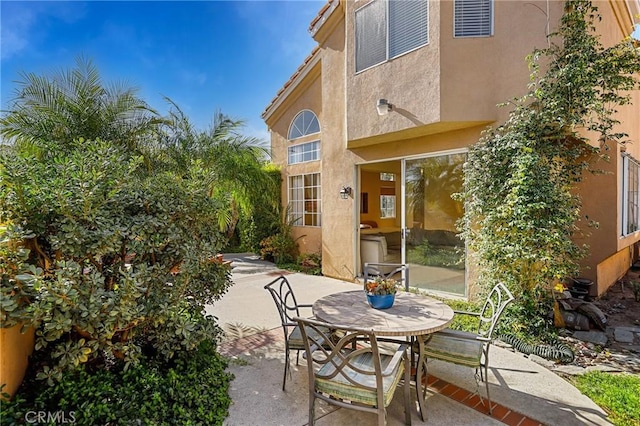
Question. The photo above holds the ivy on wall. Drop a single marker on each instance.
(521, 207)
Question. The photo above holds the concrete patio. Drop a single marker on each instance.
(524, 392)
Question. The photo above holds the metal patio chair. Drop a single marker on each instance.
(288, 308)
(352, 372)
(472, 349)
(387, 270)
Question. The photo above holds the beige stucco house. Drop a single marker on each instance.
(372, 130)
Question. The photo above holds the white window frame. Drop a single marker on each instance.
(630, 195)
(387, 177)
(387, 206)
(388, 56)
(303, 152)
(293, 125)
(491, 24)
(302, 196)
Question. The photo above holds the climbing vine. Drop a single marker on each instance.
(521, 207)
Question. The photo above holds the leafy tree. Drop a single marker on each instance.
(521, 207)
(235, 164)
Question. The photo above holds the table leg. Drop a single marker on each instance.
(421, 389)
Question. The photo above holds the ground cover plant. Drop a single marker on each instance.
(617, 394)
(190, 390)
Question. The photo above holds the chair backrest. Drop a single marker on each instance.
(335, 358)
(285, 300)
(397, 271)
(497, 300)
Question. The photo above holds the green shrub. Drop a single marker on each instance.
(104, 259)
(264, 220)
(440, 256)
(190, 390)
(464, 322)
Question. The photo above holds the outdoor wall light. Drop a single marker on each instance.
(345, 192)
(383, 106)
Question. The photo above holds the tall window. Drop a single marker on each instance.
(630, 195)
(305, 123)
(304, 200)
(386, 29)
(473, 18)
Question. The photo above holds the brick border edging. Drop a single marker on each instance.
(472, 400)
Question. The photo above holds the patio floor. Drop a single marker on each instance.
(524, 392)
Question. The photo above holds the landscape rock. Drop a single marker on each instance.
(592, 336)
(623, 336)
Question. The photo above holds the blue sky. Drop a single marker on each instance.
(207, 56)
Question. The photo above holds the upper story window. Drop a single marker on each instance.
(473, 18)
(303, 152)
(305, 123)
(386, 29)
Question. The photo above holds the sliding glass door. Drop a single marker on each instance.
(434, 253)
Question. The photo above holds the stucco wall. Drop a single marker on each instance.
(478, 73)
(610, 254)
(410, 82)
(338, 215)
(15, 349)
(444, 95)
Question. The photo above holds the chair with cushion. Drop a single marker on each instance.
(472, 349)
(288, 308)
(352, 372)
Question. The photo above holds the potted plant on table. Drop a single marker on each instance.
(381, 292)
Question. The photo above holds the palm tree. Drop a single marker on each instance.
(231, 164)
(50, 113)
(75, 104)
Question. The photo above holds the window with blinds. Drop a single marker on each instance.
(473, 18)
(386, 29)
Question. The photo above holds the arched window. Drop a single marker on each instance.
(305, 123)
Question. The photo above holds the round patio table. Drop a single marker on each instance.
(412, 315)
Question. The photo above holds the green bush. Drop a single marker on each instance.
(264, 220)
(190, 390)
(308, 263)
(105, 259)
(439, 256)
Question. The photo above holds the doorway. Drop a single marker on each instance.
(406, 208)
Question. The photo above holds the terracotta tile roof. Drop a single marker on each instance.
(291, 79)
(327, 8)
(315, 25)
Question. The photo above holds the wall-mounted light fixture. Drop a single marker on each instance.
(383, 106)
(345, 192)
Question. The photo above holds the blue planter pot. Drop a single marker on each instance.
(381, 301)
